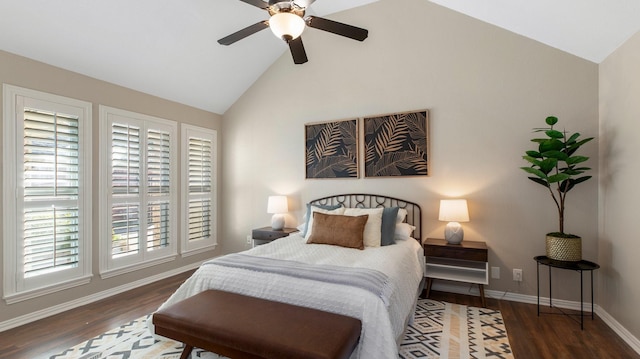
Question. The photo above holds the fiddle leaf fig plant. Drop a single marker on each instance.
(556, 166)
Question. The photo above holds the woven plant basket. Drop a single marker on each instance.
(564, 249)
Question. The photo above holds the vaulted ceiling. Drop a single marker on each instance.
(168, 48)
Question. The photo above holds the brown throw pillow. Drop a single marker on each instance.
(337, 230)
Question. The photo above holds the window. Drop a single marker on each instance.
(47, 179)
(138, 194)
(198, 185)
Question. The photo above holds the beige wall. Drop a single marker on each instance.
(19, 71)
(619, 172)
(486, 88)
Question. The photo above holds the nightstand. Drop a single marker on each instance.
(465, 262)
(267, 234)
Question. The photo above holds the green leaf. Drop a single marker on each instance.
(571, 172)
(548, 164)
(576, 159)
(567, 185)
(576, 145)
(539, 180)
(551, 120)
(581, 179)
(534, 171)
(554, 134)
(550, 145)
(558, 177)
(573, 138)
(534, 154)
(533, 161)
(558, 155)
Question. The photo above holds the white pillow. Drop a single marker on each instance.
(373, 228)
(402, 214)
(325, 211)
(403, 231)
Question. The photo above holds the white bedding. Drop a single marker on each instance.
(382, 327)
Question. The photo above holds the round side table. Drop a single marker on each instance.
(580, 266)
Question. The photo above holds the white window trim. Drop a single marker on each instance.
(110, 267)
(190, 248)
(16, 289)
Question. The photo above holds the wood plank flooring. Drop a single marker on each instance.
(549, 336)
(64, 330)
(553, 336)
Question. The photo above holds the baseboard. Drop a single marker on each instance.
(41, 314)
(622, 332)
(472, 289)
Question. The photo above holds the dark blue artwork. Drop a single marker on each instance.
(332, 149)
(396, 145)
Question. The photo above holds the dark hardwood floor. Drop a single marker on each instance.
(549, 336)
(553, 336)
(59, 332)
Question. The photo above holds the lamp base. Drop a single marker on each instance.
(277, 222)
(453, 233)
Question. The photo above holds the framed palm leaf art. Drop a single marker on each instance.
(397, 145)
(332, 149)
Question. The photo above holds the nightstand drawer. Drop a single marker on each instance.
(265, 235)
(467, 250)
(268, 234)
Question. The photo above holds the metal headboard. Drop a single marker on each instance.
(361, 200)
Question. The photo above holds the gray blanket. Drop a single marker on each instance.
(371, 280)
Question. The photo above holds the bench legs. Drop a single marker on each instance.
(186, 352)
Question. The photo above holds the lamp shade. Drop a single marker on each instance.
(277, 204)
(453, 210)
(286, 25)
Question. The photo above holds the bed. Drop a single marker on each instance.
(378, 284)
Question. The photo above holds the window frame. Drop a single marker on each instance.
(109, 266)
(194, 247)
(16, 287)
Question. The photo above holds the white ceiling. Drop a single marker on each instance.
(168, 48)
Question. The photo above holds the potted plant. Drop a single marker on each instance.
(555, 166)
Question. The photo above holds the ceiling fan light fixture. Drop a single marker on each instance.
(286, 25)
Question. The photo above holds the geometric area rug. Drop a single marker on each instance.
(446, 330)
(439, 330)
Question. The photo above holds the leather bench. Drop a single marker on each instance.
(239, 326)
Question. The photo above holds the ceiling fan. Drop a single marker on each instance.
(288, 21)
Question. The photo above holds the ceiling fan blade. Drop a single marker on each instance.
(239, 35)
(297, 51)
(337, 28)
(257, 3)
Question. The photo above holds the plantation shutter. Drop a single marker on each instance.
(125, 187)
(137, 187)
(200, 182)
(51, 174)
(158, 188)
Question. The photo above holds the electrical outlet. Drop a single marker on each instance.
(495, 272)
(249, 239)
(517, 275)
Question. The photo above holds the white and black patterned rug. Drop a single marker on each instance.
(445, 330)
(439, 330)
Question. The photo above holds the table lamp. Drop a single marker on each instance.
(453, 211)
(277, 205)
